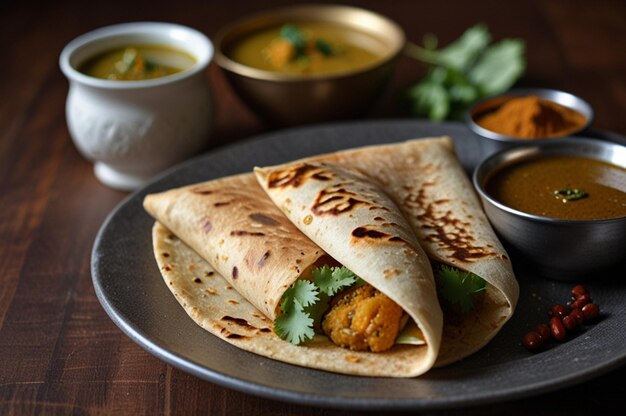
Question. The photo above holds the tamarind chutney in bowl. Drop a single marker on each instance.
(561, 186)
(561, 204)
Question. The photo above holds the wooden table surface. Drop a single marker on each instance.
(59, 351)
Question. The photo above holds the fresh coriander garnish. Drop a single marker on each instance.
(569, 194)
(330, 280)
(324, 47)
(295, 324)
(458, 287)
(462, 72)
(304, 303)
(293, 35)
(299, 39)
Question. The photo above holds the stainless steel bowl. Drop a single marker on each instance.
(491, 141)
(291, 99)
(562, 249)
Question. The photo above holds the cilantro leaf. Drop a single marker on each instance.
(305, 302)
(318, 309)
(331, 280)
(458, 55)
(293, 34)
(324, 47)
(462, 72)
(457, 286)
(430, 99)
(302, 291)
(499, 66)
(296, 326)
(461, 53)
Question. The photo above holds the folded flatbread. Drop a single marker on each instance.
(228, 254)
(424, 179)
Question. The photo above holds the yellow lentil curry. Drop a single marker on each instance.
(308, 48)
(564, 187)
(135, 63)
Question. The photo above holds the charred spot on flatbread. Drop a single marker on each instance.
(263, 219)
(233, 327)
(444, 228)
(237, 321)
(239, 233)
(206, 224)
(335, 200)
(362, 232)
(263, 259)
(374, 234)
(201, 191)
(297, 175)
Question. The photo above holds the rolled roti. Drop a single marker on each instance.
(232, 224)
(425, 180)
(229, 229)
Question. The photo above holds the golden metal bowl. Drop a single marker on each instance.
(290, 99)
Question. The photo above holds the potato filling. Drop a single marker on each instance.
(362, 318)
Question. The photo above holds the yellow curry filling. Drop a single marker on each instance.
(363, 318)
(355, 315)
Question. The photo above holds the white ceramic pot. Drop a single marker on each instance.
(133, 130)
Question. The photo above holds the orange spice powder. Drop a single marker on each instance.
(532, 117)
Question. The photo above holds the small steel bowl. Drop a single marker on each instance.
(562, 249)
(491, 141)
(291, 99)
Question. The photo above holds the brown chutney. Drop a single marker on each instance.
(537, 185)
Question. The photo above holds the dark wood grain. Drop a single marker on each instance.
(59, 352)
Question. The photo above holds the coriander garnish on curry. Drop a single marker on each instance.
(136, 63)
(568, 194)
(308, 48)
(563, 187)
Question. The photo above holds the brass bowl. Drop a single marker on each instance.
(291, 99)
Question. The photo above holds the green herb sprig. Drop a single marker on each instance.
(458, 287)
(304, 303)
(299, 39)
(464, 71)
(569, 194)
(292, 34)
